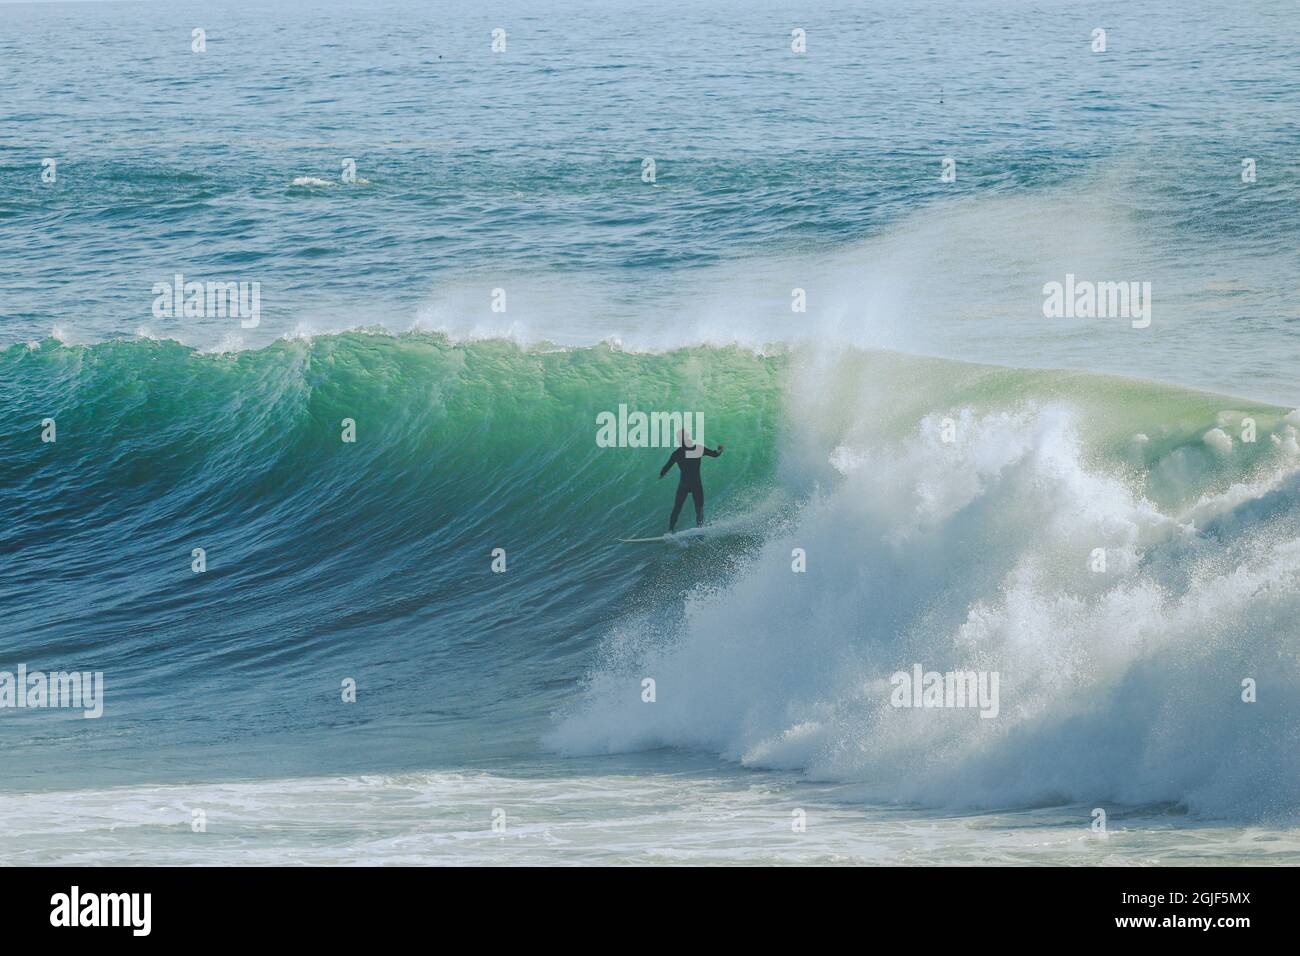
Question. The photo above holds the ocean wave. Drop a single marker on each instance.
(950, 515)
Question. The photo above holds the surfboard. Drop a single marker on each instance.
(690, 533)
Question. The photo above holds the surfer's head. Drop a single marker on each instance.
(684, 438)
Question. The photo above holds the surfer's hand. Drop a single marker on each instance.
(720, 447)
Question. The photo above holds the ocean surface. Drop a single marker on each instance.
(462, 251)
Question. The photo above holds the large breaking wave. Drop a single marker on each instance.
(1122, 685)
(373, 560)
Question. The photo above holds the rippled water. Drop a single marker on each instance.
(522, 170)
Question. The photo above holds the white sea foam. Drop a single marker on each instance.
(575, 812)
(1122, 686)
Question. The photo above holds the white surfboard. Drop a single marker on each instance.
(690, 533)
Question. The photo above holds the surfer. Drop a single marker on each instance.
(687, 457)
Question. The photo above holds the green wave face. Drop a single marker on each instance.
(454, 438)
(457, 423)
(375, 555)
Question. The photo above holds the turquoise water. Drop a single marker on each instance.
(521, 171)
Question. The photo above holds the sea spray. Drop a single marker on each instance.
(974, 555)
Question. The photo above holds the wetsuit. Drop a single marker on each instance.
(689, 484)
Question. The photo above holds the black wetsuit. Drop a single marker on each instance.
(690, 483)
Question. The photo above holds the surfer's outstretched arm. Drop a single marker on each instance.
(672, 460)
(713, 452)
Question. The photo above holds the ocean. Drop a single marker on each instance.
(344, 545)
